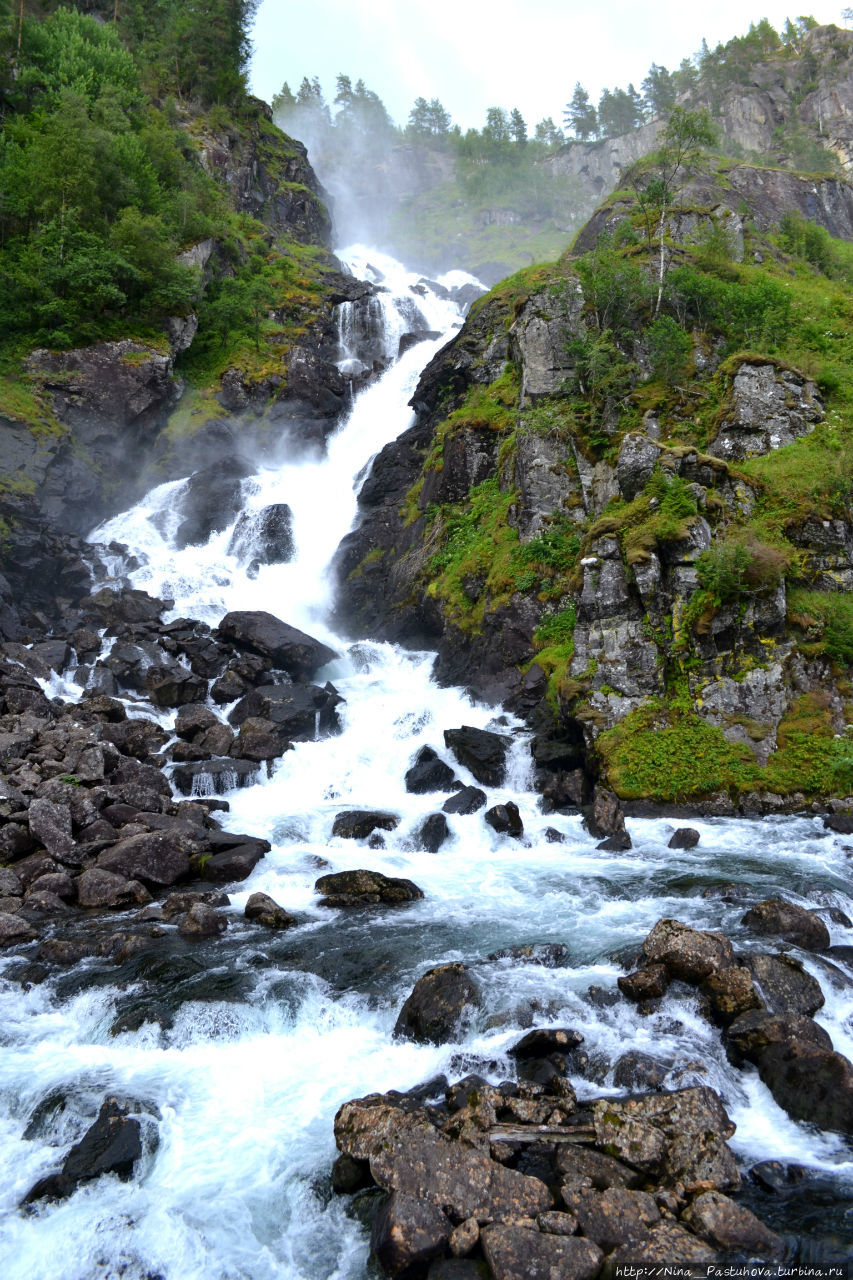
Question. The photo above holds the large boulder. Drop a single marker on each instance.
(364, 889)
(466, 801)
(287, 648)
(437, 1005)
(516, 1253)
(209, 502)
(266, 911)
(689, 954)
(357, 824)
(407, 1232)
(779, 919)
(113, 1144)
(301, 712)
(99, 888)
(157, 857)
(726, 1225)
(482, 752)
(783, 984)
(429, 773)
(432, 833)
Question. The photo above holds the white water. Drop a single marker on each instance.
(247, 1080)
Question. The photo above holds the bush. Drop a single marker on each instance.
(669, 349)
(733, 568)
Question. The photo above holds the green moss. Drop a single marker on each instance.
(824, 620)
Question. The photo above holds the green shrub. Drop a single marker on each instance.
(739, 566)
(669, 349)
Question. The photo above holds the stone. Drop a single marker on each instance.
(635, 1070)
(236, 863)
(684, 838)
(514, 1253)
(466, 801)
(407, 1232)
(482, 752)
(753, 1032)
(438, 1004)
(550, 955)
(538, 1044)
(464, 1238)
(159, 857)
(112, 1144)
(357, 824)
(786, 920)
(666, 1245)
(259, 740)
(13, 930)
(419, 1161)
(726, 1225)
(363, 888)
(206, 778)
(350, 1175)
(505, 819)
(676, 1137)
(556, 1223)
(429, 773)
(649, 983)
(604, 817)
(99, 888)
(10, 885)
(432, 833)
(689, 954)
(266, 911)
(50, 825)
(783, 985)
(168, 684)
(300, 712)
(289, 649)
(194, 718)
(202, 921)
(209, 501)
(613, 1217)
(581, 1165)
(731, 993)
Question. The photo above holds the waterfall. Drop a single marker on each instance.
(263, 1036)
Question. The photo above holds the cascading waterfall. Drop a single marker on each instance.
(270, 1034)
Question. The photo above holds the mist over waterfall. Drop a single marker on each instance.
(237, 1052)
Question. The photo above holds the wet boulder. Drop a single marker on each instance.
(731, 993)
(505, 819)
(300, 712)
(481, 751)
(357, 824)
(604, 818)
(684, 838)
(685, 953)
(407, 1232)
(364, 889)
(779, 919)
(50, 825)
(648, 983)
(260, 740)
(429, 773)
(108, 607)
(202, 921)
(266, 911)
(194, 719)
(235, 860)
(438, 1005)
(168, 684)
(635, 1070)
(752, 1033)
(783, 984)
(539, 1043)
(666, 1245)
(265, 536)
(811, 1083)
(113, 1144)
(582, 1166)
(214, 777)
(288, 649)
(466, 801)
(432, 833)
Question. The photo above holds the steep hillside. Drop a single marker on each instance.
(631, 518)
(166, 287)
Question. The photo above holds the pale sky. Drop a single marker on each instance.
(474, 54)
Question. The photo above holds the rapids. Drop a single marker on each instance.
(271, 1033)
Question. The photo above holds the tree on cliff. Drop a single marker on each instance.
(580, 115)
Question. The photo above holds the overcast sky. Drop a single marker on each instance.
(473, 54)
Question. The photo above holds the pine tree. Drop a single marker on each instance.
(517, 127)
(580, 115)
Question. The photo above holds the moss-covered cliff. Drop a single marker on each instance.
(633, 520)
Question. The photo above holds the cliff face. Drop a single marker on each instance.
(636, 557)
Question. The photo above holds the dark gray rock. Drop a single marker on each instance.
(515, 1253)
(202, 921)
(684, 838)
(210, 501)
(266, 911)
(783, 984)
(505, 819)
(99, 888)
(726, 1225)
(50, 825)
(214, 777)
(780, 919)
(158, 858)
(300, 712)
(482, 752)
(539, 1043)
(689, 954)
(466, 801)
(357, 824)
(432, 833)
(265, 536)
(14, 930)
(364, 888)
(286, 647)
(113, 1144)
(429, 773)
(439, 1001)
